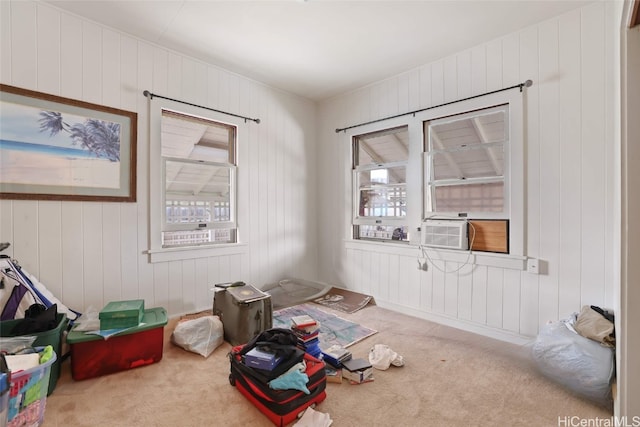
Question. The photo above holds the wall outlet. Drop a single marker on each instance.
(533, 266)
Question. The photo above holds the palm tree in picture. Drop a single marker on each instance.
(100, 137)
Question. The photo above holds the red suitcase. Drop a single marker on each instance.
(280, 406)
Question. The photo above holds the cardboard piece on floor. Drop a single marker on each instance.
(345, 300)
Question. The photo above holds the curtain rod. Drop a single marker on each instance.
(521, 85)
(150, 95)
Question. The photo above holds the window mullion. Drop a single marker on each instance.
(467, 181)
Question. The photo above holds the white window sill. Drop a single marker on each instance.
(193, 252)
(392, 247)
(489, 259)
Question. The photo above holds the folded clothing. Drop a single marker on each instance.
(292, 380)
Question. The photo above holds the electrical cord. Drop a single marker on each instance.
(425, 255)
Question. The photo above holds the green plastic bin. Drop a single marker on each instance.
(52, 337)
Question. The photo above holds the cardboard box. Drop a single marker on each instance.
(121, 314)
(357, 376)
(334, 375)
(256, 358)
(93, 356)
(357, 370)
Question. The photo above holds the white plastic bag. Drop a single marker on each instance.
(89, 321)
(201, 335)
(580, 364)
(381, 357)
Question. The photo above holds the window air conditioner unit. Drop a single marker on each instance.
(449, 234)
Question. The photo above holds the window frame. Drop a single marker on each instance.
(431, 185)
(514, 166)
(413, 169)
(232, 223)
(373, 220)
(416, 213)
(388, 221)
(157, 206)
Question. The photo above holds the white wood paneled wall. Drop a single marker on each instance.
(89, 253)
(570, 179)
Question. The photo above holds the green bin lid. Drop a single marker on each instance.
(153, 318)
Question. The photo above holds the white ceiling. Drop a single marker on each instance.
(318, 48)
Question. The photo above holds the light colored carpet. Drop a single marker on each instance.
(450, 378)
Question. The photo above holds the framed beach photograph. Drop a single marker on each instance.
(54, 148)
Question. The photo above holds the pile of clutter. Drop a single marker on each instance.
(307, 329)
(341, 363)
(579, 353)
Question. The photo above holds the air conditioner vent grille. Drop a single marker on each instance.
(451, 234)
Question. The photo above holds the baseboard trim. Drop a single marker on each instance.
(464, 325)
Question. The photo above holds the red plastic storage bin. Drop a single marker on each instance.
(92, 356)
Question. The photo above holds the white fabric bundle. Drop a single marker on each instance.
(381, 357)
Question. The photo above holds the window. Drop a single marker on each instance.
(474, 169)
(462, 159)
(198, 173)
(194, 158)
(380, 190)
(466, 164)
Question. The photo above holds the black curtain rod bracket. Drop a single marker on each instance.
(150, 95)
(520, 86)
